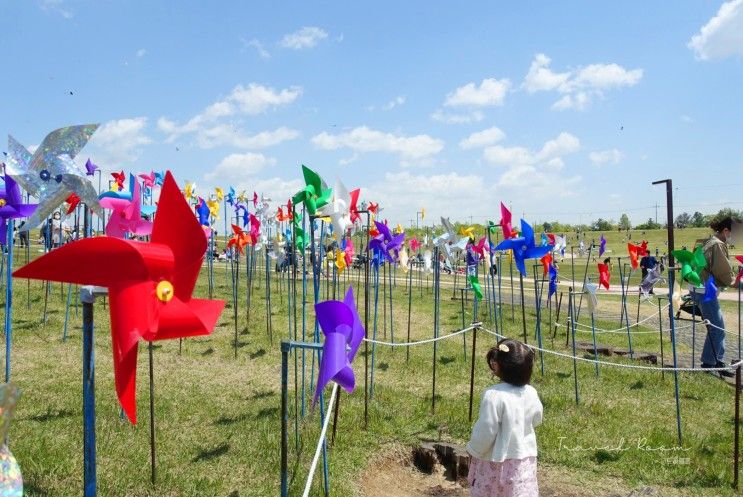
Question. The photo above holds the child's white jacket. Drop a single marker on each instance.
(505, 428)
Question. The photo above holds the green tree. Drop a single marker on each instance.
(698, 220)
(624, 222)
(683, 220)
(602, 225)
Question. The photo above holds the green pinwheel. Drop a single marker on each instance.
(692, 265)
(299, 234)
(315, 194)
(475, 283)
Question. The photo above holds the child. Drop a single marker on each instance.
(503, 444)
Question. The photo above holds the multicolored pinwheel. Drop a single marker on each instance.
(692, 264)
(341, 325)
(126, 215)
(119, 179)
(11, 206)
(523, 247)
(50, 174)
(149, 284)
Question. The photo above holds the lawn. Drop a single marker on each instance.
(218, 423)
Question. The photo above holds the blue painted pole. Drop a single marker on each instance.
(89, 457)
(9, 299)
(304, 300)
(571, 313)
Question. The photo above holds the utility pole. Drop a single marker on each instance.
(656, 213)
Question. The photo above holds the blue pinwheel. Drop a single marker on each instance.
(553, 281)
(385, 243)
(230, 197)
(523, 247)
(159, 177)
(202, 210)
(341, 325)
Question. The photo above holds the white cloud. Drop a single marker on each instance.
(58, 7)
(490, 92)
(395, 102)
(438, 193)
(468, 118)
(141, 52)
(364, 139)
(251, 100)
(306, 37)
(225, 134)
(482, 138)
(722, 36)
(118, 141)
(257, 45)
(612, 156)
(687, 119)
(235, 167)
(579, 87)
(534, 172)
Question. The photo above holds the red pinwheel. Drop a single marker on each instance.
(353, 209)
(149, 284)
(239, 239)
(546, 262)
(341, 325)
(119, 178)
(480, 248)
(740, 271)
(604, 275)
(72, 201)
(255, 200)
(373, 207)
(637, 251)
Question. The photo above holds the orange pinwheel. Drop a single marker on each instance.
(239, 239)
(637, 251)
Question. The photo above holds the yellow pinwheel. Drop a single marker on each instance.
(219, 193)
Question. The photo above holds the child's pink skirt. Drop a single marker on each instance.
(510, 478)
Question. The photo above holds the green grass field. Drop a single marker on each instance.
(218, 423)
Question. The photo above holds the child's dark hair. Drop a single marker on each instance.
(515, 361)
(726, 222)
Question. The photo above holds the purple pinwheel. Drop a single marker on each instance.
(385, 243)
(523, 247)
(710, 290)
(602, 245)
(202, 210)
(90, 168)
(12, 206)
(341, 325)
(245, 214)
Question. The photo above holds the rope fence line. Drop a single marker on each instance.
(620, 365)
(428, 340)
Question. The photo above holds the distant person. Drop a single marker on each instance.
(647, 263)
(718, 267)
(60, 230)
(22, 234)
(503, 444)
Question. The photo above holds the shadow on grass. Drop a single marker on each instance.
(637, 385)
(50, 415)
(262, 395)
(383, 366)
(267, 412)
(208, 351)
(258, 353)
(208, 454)
(601, 456)
(446, 360)
(226, 421)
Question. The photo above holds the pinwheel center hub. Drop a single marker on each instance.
(44, 175)
(2, 202)
(164, 291)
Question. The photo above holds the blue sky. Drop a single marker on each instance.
(565, 110)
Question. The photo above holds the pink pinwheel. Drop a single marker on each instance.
(385, 243)
(341, 325)
(480, 248)
(349, 251)
(127, 215)
(255, 228)
(255, 200)
(415, 245)
(505, 221)
(148, 179)
(740, 271)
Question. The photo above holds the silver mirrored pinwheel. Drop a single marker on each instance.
(50, 174)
